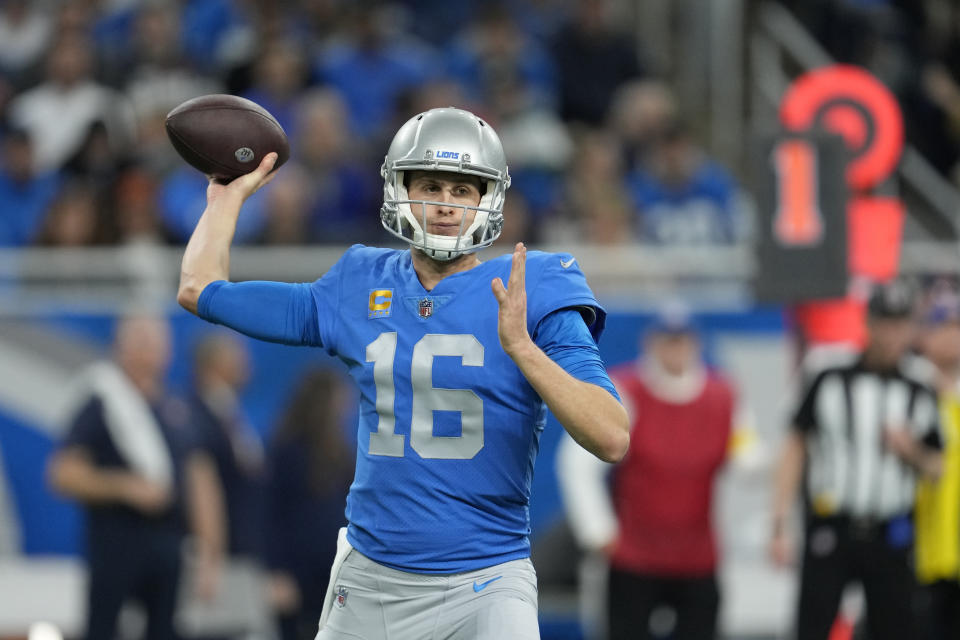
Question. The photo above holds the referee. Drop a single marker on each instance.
(862, 431)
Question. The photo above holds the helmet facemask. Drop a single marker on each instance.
(407, 218)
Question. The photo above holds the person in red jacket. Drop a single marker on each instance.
(654, 521)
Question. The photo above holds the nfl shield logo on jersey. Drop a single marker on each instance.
(342, 593)
(426, 307)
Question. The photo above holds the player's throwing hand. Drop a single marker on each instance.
(246, 185)
(512, 320)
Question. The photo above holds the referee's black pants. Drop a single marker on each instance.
(839, 551)
(939, 610)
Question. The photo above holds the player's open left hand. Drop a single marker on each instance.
(512, 321)
(246, 185)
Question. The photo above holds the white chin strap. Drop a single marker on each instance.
(442, 247)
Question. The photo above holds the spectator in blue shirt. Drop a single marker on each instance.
(372, 69)
(683, 197)
(342, 190)
(279, 76)
(204, 25)
(25, 194)
(494, 52)
(186, 189)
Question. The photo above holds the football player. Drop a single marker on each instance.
(455, 372)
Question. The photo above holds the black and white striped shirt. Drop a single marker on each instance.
(844, 414)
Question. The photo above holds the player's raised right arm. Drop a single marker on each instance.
(273, 311)
(207, 257)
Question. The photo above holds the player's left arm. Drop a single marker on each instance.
(589, 413)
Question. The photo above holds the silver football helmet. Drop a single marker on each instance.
(446, 139)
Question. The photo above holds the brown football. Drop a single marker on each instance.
(225, 136)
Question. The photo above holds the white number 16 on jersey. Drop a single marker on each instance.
(426, 398)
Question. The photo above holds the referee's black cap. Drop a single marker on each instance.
(894, 300)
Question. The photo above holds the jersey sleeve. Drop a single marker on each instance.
(564, 337)
(271, 311)
(560, 284)
(294, 314)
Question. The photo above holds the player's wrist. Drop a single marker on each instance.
(522, 350)
(227, 203)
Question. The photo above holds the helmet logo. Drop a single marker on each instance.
(453, 155)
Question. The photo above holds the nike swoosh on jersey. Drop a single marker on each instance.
(477, 588)
(566, 263)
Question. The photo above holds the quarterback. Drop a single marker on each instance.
(455, 371)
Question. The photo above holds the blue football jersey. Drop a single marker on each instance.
(449, 427)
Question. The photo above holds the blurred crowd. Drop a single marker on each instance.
(595, 142)
(914, 49)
